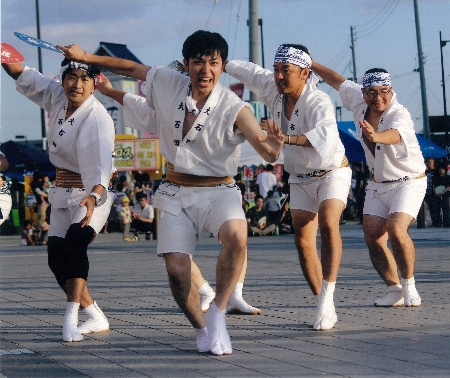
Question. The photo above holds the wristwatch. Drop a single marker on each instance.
(98, 198)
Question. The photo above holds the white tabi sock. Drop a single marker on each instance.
(325, 317)
(410, 294)
(70, 331)
(207, 295)
(96, 320)
(219, 340)
(237, 304)
(394, 297)
(202, 339)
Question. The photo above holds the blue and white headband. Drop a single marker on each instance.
(292, 55)
(377, 79)
(92, 71)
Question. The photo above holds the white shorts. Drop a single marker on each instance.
(180, 233)
(308, 194)
(62, 218)
(5, 206)
(383, 199)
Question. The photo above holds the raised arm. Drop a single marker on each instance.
(105, 87)
(13, 69)
(328, 75)
(268, 146)
(119, 66)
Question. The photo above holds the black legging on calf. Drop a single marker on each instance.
(67, 257)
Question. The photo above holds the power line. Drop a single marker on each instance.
(210, 14)
(376, 27)
(367, 25)
(175, 54)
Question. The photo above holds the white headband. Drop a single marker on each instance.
(377, 79)
(81, 66)
(292, 55)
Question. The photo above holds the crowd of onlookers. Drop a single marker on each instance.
(265, 202)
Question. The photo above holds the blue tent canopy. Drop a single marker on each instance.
(355, 152)
(21, 158)
(350, 140)
(430, 149)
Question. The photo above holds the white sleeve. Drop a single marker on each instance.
(324, 137)
(138, 115)
(43, 91)
(351, 95)
(257, 79)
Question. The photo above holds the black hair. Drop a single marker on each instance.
(269, 167)
(93, 71)
(357, 164)
(372, 70)
(258, 196)
(270, 193)
(297, 46)
(206, 43)
(140, 195)
(27, 223)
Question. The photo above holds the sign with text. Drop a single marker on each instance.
(136, 154)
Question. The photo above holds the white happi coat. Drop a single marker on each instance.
(392, 162)
(84, 143)
(313, 116)
(210, 148)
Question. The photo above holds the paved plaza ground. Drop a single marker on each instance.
(150, 337)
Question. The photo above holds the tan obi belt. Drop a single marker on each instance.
(186, 179)
(372, 178)
(69, 179)
(323, 172)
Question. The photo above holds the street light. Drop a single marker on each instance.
(442, 44)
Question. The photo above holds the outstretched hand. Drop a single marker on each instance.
(274, 138)
(73, 52)
(369, 132)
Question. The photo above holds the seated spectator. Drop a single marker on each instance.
(257, 219)
(273, 208)
(285, 221)
(143, 215)
(28, 234)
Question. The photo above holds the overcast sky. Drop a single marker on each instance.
(154, 30)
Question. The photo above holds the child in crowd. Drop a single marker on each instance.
(28, 236)
(125, 217)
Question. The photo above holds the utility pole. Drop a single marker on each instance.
(426, 125)
(253, 36)
(353, 53)
(446, 121)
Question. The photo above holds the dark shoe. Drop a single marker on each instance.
(147, 236)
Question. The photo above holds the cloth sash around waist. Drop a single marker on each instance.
(69, 179)
(186, 179)
(323, 172)
(372, 178)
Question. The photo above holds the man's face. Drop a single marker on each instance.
(259, 203)
(143, 201)
(289, 78)
(204, 72)
(78, 86)
(377, 98)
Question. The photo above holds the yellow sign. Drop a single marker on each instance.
(136, 155)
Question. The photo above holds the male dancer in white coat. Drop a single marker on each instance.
(315, 159)
(81, 146)
(200, 125)
(397, 183)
